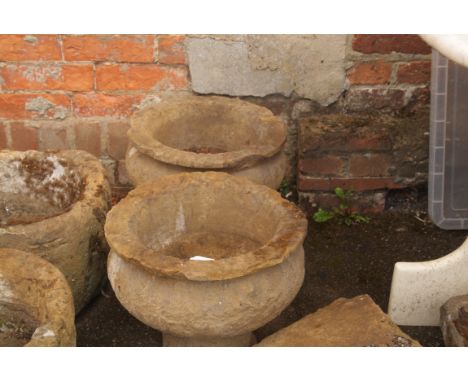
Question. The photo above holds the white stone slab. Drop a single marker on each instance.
(419, 289)
(452, 46)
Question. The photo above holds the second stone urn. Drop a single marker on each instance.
(206, 258)
(186, 133)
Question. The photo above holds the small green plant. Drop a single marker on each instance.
(284, 189)
(343, 212)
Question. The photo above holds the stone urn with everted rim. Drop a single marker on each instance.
(206, 258)
(188, 133)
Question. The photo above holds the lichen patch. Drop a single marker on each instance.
(33, 187)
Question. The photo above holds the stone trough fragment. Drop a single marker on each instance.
(54, 204)
(206, 258)
(345, 322)
(36, 304)
(186, 133)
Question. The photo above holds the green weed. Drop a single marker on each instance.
(343, 213)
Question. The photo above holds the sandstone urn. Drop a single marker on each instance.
(54, 204)
(188, 133)
(36, 304)
(205, 257)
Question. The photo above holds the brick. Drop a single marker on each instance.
(34, 106)
(23, 137)
(369, 99)
(369, 165)
(344, 133)
(118, 48)
(44, 76)
(404, 139)
(88, 137)
(370, 73)
(388, 43)
(118, 141)
(29, 48)
(53, 137)
(356, 184)
(3, 137)
(140, 77)
(369, 142)
(417, 72)
(326, 165)
(363, 184)
(171, 50)
(98, 104)
(313, 184)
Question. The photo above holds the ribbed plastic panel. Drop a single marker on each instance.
(448, 161)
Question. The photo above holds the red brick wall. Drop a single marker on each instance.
(387, 73)
(384, 144)
(77, 91)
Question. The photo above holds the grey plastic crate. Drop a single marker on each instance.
(448, 155)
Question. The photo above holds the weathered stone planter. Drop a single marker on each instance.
(54, 205)
(36, 304)
(206, 258)
(185, 133)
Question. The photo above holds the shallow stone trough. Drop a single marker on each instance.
(36, 304)
(54, 204)
(206, 258)
(186, 133)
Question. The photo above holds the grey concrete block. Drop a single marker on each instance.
(312, 66)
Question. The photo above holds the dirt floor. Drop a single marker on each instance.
(341, 261)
